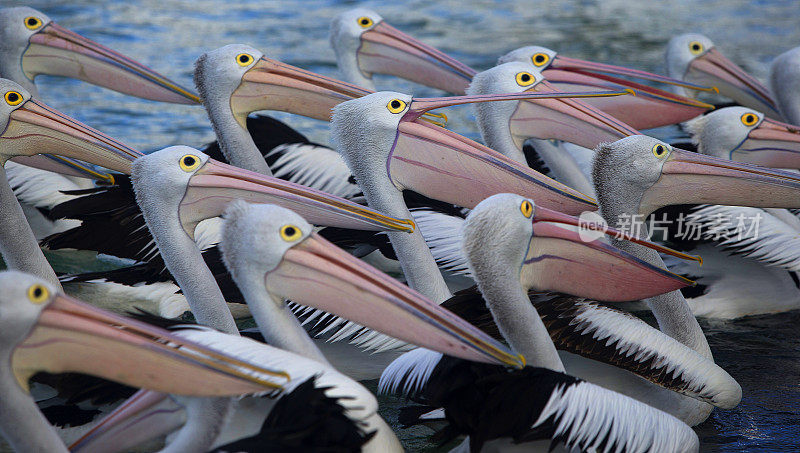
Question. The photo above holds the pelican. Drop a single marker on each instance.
(694, 58)
(759, 278)
(272, 253)
(366, 44)
(44, 330)
(784, 78)
(506, 237)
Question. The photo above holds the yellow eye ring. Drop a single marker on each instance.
(749, 119)
(38, 293)
(290, 233)
(244, 59)
(660, 150)
(696, 47)
(189, 162)
(526, 208)
(540, 59)
(396, 106)
(13, 98)
(32, 23)
(365, 22)
(525, 79)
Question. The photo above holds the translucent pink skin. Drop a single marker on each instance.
(563, 260)
(55, 50)
(713, 69)
(771, 144)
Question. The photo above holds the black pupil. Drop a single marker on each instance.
(31, 21)
(364, 21)
(659, 149)
(290, 231)
(12, 97)
(37, 293)
(188, 161)
(525, 77)
(395, 104)
(750, 118)
(539, 58)
(696, 46)
(243, 58)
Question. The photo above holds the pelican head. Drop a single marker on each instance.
(651, 107)
(241, 80)
(37, 135)
(694, 58)
(784, 78)
(745, 135)
(551, 253)
(32, 44)
(183, 181)
(272, 249)
(365, 45)
(389, 143)
(506, 125)
(640, 174)
(44, 330)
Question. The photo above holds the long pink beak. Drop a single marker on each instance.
(564, 260)
(771, 144)
(215, 184)
(358, 292)
(34, 128)
(54, 50)
(386, 50)
(443, 165)
(692, 178)
(71, 336)
(712, 68)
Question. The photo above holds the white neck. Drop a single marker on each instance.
(21, 422)
(11, 69)
(17, 243)
(204, 421)
(493, 121)
(235, 141)
(671, 310)
(518, 320)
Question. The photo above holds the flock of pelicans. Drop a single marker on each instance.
(537, 355)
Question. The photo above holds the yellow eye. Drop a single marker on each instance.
(32, 23)
(749, 119)
(660, 150)
(38, 293)
(290, 233)
(540, 59)
(244, 59)
(396, 106)
(13, 98)
(189, 162)
(695, 47)
(525, 78)
(365, 22)
(526, 208)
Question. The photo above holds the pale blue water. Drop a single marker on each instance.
(763, 354)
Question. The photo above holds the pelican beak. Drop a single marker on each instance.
(386, 50)
(713, 69)
(567, 119)
(54, 50)
(567, 254)
(692, 178)
(34, 128)
(215, 184)
(651, 107)
(145, 415)
(272, 85)
(73, 337)
(771, 144)
(358, 292)
(443, 165)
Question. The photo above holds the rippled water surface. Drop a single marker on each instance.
(763, 354)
